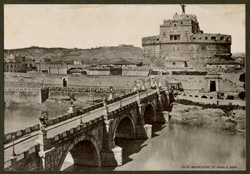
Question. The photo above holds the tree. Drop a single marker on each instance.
(242, 79)
(242, 95)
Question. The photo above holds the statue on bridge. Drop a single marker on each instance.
(183, 8)
(43, 120)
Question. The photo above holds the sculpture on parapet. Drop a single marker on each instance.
(43, 121)
(183, 7)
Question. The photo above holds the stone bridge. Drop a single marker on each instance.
(90, 135)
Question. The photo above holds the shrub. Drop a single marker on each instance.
(242, 95)
(230, 97)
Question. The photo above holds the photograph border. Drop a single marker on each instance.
(247, 32)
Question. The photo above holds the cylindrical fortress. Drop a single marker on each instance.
(182, 38)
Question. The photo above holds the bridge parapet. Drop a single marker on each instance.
(122, 110)
(68, 133)
(149, 97)
(20, 160)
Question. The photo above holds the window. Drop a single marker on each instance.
(174, 63)
(175, 48)
(175, 37)
(213, 38)
(194, 38)
(206, 38)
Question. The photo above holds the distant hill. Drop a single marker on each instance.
(88, 56)
(239, 55)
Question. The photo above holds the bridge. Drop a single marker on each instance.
(89, 134)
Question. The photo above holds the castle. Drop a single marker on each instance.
(181, 43)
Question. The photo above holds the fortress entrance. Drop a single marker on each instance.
(65, 82)
(212, 86)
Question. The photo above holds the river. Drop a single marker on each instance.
(180, 147)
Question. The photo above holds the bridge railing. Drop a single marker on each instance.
(19, 160)
(72, 131)
(10, 137)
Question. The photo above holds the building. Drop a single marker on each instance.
(15, 67)
(77, 62)
(99, 71)
(57, 68)
(224, 65)
(182, 37)
(20, 59)
(240, 60)
(125, 63)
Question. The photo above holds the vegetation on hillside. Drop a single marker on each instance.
(88, 56)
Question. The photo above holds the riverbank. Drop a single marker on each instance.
(233, 120)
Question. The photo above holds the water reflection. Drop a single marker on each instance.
(181, 147)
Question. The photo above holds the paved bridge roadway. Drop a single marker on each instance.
(25, 143)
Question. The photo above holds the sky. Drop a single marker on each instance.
(87, 26)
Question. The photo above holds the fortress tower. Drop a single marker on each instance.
(181, 38)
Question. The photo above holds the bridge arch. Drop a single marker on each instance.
(125, 127)
(149, 113)
(84, 151)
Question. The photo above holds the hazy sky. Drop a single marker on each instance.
(86, 26)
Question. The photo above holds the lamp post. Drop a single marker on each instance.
(100, 84)
(128, 85)
(81, 122)
(112, 92)
(42, 135)
(93, 98)
(13, 147)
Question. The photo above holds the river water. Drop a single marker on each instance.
(180, 147)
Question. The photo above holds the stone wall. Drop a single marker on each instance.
(23, 95)
(209, 100)
(199, 83)
(134, 72)
(29, 160)
(196, 54)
